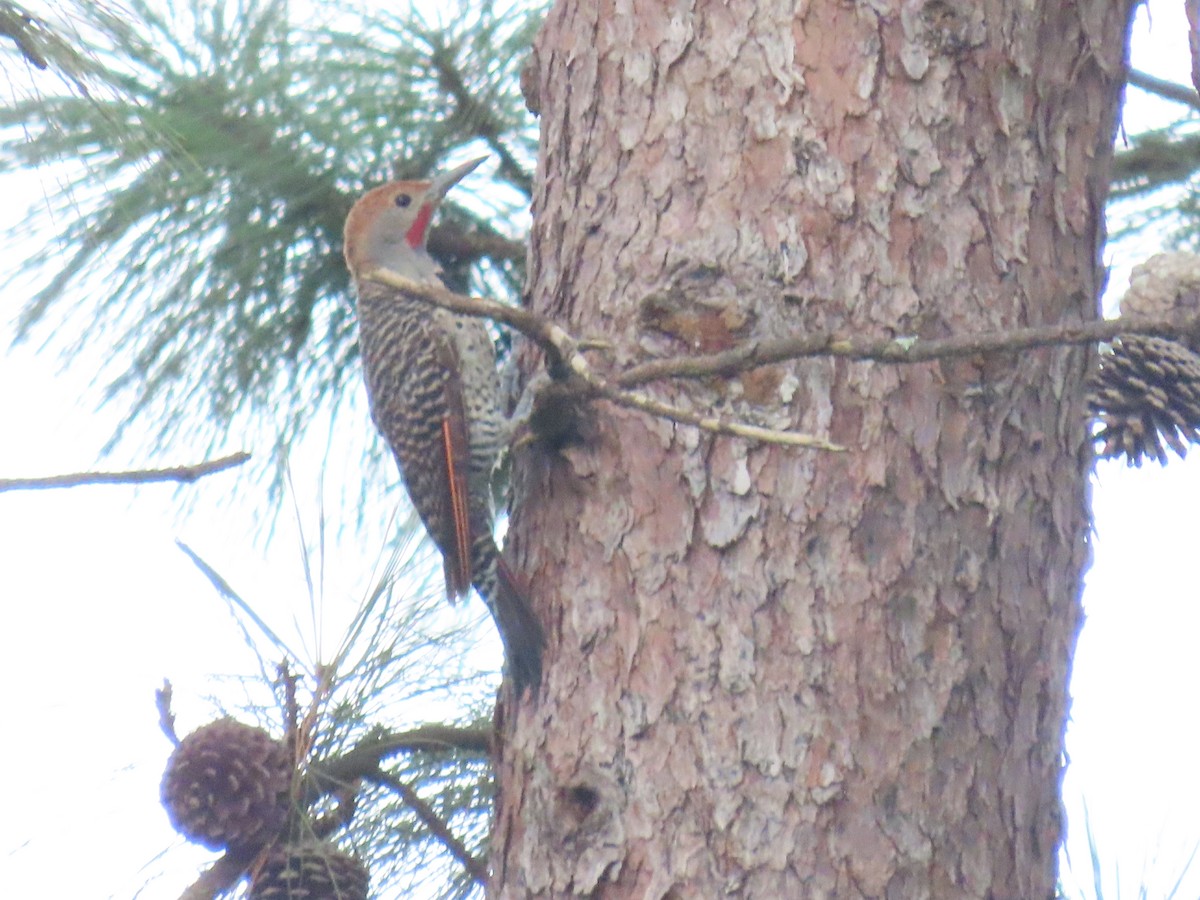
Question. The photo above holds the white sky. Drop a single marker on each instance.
(99, 606)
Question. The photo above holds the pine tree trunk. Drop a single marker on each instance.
(787, 673)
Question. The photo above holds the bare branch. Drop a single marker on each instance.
(751, 354)
(436, 824)
(565, 355)
(183, 474)
(560, 345)
(166, 718)
(712, 424)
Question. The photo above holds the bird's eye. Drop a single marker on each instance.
(403, 200)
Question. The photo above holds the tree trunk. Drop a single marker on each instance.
(789, 673)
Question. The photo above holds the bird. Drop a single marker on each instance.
(435, 396)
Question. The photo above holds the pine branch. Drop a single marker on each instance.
(435, 823)
(1168, 90)
(480, 118)
(364, 759)
(184, 474)
(452, 242)
(221, 876)
(1155, 159)
(342, 775)
(51, 44)
(21, 27)
(342, 813)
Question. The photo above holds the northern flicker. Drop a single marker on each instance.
(435, 396)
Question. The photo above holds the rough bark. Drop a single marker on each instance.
(781, 673)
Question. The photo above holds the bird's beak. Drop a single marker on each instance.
(442, 183)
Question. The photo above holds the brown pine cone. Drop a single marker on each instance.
(1166, 284)
(309, 871)
(227, 785)
(1146, 393)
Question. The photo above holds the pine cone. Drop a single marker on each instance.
(1167, 284)
(309, 871)
(227, 785)
(1147, 393)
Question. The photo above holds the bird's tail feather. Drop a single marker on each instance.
(520, 631)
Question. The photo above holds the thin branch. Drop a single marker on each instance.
(44, 45)
(183, 474)
(436, 824)
(1169, 90)
(342, 813)
(565, 355)
(712, 424)
(17, 24)
(218, 878)
(457, 243)
(560, 345)
(291, 709)
(166, 718)
(363, 759)
(477, 741)
(902, 350)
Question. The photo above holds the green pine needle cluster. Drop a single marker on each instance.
(196, 173)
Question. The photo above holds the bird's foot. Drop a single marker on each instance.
(550, 412)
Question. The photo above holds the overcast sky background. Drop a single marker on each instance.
(99, 605)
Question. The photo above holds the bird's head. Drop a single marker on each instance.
(389, 225)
